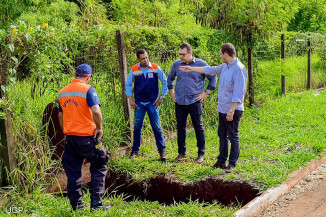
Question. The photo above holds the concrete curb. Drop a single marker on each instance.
(260, 203)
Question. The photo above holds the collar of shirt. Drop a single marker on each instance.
(77, 81)
(149, 65)
(233, 63)
(193, 60)
(144, 70)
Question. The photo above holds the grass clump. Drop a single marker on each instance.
(40, 204)
(276, 139)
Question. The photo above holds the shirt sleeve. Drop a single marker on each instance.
(92, 97)
(162, 78)
(171, 77)
(212, 80)
(130, 80)
(213, 70)
(59, 107)
(239, 85)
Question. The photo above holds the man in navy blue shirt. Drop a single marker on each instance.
(188, 96)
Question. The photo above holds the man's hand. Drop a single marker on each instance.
(229, 115)
(185, 68)
(98, 133)
(158, 102)
(200, 97)
(172, 94)
(97, 117)
(132, 103)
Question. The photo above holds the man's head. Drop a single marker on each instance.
(84, 72)
(227, 52)
(142, 57)
(185, 53)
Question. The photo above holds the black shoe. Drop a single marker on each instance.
(133, 154)
(179, 157)
(163, 155)
(95, 205)
(79, 206)
(220, 166)
(229, 169)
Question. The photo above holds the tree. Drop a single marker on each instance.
(246, 20)
(311, 17)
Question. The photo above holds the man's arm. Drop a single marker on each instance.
(192, 69)
(164, 90)
(213, 70)
(97, 117)
(129, 81)
(239, 91)
(171, 78)
(229, 115)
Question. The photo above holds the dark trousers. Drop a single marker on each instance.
(195, 111)
(229, 130)
(77, 149)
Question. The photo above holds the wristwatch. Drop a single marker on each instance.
(206, 92)
(162, 97)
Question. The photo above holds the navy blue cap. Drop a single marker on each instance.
(84, 69)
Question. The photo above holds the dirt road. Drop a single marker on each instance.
(307, 198)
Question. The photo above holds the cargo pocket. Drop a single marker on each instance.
(99, 155)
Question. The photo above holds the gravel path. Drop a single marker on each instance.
(307, 198)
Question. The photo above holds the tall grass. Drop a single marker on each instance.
(268, 76)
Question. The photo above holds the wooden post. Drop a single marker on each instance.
(309, 66)
(123, 76)
(283, 79)
(7, 153)
(251, 76)
(282, 47)
(283, 85)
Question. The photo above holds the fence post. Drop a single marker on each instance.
(251, 76)
(282, 47)
(309, 66)
(283, 79)
(7, 152)
(123, 76)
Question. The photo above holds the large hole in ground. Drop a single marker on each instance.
(160, 188)
(168, 191)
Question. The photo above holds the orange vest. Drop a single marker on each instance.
(77, 115)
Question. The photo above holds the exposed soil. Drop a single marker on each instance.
(307, 198)
(168, 191)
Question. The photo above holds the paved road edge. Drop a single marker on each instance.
(260, 203)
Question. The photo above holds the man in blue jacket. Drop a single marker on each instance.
(145, 76)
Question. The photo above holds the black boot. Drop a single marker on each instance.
(98, 205)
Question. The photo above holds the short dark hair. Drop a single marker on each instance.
(140, 51)
(229, 49)
(187, 46)
(82, 75)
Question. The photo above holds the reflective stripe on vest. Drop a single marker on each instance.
(77, 115)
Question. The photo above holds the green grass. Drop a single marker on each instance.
(38, 204)
(276, 139)
(267, 80)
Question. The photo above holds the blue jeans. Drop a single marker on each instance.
(154, 117)
(229, 130)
